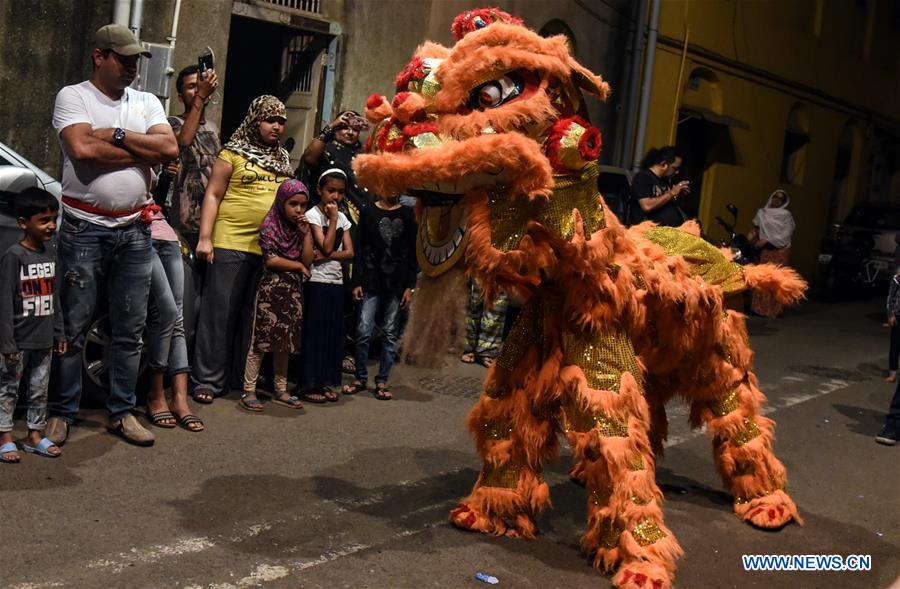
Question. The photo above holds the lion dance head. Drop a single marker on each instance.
(492, 137)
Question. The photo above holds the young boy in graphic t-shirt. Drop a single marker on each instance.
(31, 325)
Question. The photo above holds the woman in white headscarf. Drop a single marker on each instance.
(772, 229)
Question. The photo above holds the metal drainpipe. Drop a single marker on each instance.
(137, 17)
(648, 84)
(121, 12)
(634, 79)
(172, 38)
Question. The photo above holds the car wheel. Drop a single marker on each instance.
(95, 363)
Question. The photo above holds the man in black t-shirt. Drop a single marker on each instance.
(653, 189)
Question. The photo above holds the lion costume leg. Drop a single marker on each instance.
(742, 437)
(515, 430)
(510, 491)
(606, 420)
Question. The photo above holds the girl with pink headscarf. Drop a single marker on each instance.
(286, 244)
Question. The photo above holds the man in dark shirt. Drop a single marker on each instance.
(653, 188)
(384, 276)
(198, 143)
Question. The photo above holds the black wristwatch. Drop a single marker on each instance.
(326, 134)
(119, 136)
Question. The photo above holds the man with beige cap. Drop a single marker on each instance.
(111, 137)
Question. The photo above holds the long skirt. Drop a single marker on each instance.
(322, 337)
(764, 303)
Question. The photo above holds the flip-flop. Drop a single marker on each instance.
(383, 392)
(159, 417)
(330, 395)
(486, 361)
(186, 421)
(467, 358)
(42, 448)
(253, 405)
(203, 396)
(353, 388)
(6, 449)
(313, 397)
(289, 401)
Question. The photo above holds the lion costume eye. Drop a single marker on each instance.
(497, 92)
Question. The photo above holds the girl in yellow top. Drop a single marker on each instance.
(240, 192)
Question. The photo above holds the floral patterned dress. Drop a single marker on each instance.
(278, 312)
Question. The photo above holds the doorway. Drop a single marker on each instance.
(269, 58)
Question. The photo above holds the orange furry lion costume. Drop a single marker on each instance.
(491, 137)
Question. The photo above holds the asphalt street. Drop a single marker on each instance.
(356, 494)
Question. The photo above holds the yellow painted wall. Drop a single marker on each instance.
(777, 37)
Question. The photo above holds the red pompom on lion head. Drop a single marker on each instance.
(472, 20)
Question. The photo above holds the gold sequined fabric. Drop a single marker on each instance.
(750, 431)
(603, 357)
(636, 463)
(609, 534)
(497, 429)
(647, 532)
(580, 421)
(600, 497)
(726, 404)
(705, 260)
(505, 476)
(509, 217)
(640, 500)
(527, 331)
(426, 141)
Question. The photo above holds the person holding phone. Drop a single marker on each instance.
(335, 147)
(198, 142)
(655, 190)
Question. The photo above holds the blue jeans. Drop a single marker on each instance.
(166, 345)
(33, 367)
(119, 259)
(368, 311)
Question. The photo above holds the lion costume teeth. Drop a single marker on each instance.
(493, 138)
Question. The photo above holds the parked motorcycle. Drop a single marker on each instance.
(741, 249)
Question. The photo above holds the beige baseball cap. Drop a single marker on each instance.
(120, 39)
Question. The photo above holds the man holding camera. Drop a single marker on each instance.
(654, 190)
(198, 142)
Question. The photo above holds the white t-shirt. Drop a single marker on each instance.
(328, 272)
(113, 189)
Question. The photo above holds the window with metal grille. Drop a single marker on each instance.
(314, 6)
(294, 54)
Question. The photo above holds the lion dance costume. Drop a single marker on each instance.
(491, 136)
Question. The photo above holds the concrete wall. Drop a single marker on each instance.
(45, 46)
(380, 38)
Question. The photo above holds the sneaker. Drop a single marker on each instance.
(888, 435)
(57, 430)
(131, 430)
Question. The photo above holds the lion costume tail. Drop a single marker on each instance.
(783, 283)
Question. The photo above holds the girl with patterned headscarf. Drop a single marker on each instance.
(287, 245)
(241, 189)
